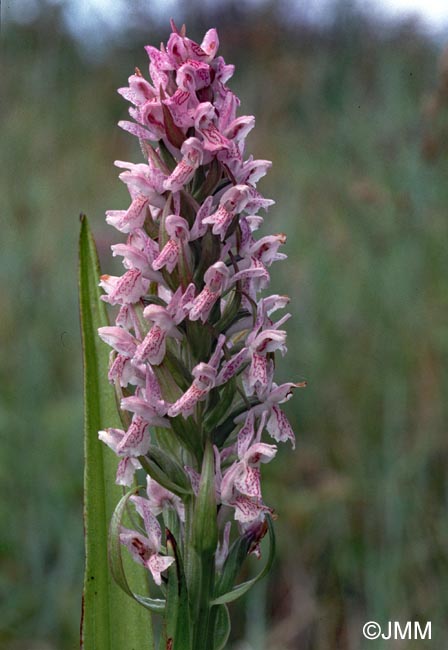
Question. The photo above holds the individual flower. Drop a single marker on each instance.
(146, 550)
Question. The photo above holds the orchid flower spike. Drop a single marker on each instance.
(194, 342)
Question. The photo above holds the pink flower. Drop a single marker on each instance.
(205, 123)
(127, 289)
(178, 230)
(182, 174)
(204, 380)
(240, 485)
(215, 279)
(128, 445)
(278, 424)
(153, 346)
(159, 498)
(232, 202)
(118, 338)
(260, 344)
(146, 550)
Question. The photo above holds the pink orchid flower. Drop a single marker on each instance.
(146, 550)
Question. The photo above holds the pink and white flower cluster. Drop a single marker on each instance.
(189, 297)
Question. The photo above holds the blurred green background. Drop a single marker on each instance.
(355, 117)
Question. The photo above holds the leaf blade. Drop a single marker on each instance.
(110, 619)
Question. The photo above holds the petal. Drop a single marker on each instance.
(279, 427)
(210, 43)
(152, 526)
(130, 219)
(157, 564)
(111, 437)
(240, 127)
(153, 347)
(247, 510)
(249, 482)
(119, 339)
(231, 475)
(127, 289)
(126, 470)
(246, 434)
(136, 544)
(231, 367)
(137, 130)
(260, 452)
(180, 176)
(136, 440)
(168, 256)
(186, 403)
(220, 221)
(258, 370)
(203, 304)
(148, 411)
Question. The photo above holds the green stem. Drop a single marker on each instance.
(204, 538)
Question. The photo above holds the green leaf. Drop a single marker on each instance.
(221, 627)
(205, 527)
(177, 616)
(111, 620)
(171, 467)
(159, 473)
(116, 559)
(244, 587)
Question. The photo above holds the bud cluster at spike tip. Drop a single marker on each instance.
(192, 332)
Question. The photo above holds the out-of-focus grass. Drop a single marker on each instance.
(362, 502)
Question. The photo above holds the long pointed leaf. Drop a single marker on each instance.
(111, 620)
